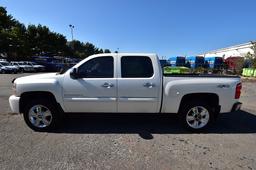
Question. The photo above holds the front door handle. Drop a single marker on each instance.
(149, 85)
(108, 85)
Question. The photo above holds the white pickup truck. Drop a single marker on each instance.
(123, 83)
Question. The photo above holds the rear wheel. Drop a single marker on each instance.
(41, 115)
(197, 116)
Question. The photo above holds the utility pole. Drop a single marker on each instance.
(71, 29)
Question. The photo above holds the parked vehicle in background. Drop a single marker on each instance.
(177, 61)
(22, 66)
(194, 61)
(13, 63)
(123, 83)
(37, 67)
(26, 66)
(51, 64)
(7, 68)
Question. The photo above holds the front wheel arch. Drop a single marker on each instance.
(27, 96)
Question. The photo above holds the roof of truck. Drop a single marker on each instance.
(127, 54)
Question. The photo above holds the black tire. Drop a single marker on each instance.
(49, 104)
(187, 110)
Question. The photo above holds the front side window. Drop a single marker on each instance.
(136, 67)
(100, 67)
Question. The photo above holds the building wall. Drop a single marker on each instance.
(233, 51)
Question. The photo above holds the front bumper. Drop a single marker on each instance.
(237, 106)
(14, 102)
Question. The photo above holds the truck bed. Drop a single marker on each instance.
(175, 86)
(201, 75)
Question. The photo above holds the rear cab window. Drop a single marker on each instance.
(136, 67)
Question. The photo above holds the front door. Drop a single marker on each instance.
(96, 88)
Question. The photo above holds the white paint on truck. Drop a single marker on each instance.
(121, 85)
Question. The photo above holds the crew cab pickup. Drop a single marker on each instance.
(123, 83)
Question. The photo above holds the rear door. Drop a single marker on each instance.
(138, 85)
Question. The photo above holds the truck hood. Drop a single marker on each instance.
(33, 78)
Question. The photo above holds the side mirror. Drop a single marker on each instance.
(74, 73)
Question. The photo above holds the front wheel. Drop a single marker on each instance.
(197, 116)
(41, 115)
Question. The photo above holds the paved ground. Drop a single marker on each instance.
(129, 141)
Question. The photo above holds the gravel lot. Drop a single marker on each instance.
(129, 141)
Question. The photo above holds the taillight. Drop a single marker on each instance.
(238, 90)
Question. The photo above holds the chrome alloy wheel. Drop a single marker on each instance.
(197, 117)
(40, 116)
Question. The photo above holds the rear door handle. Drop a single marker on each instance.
(149, 85)
(108, 85)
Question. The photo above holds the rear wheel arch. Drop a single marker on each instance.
(212, 99)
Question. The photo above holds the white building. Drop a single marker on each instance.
(234, 51)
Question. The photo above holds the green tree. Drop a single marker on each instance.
(254, 55)
(13, 36)
(251, 57)
(42, 41)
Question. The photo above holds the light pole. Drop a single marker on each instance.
(71, 28)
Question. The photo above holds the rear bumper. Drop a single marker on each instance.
(14, 102)
(237, 106)
(8, 71)
(29, 69)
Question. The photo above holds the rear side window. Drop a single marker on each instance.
(136, 67)
(100, 67)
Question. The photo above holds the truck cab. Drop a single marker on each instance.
(113, 83)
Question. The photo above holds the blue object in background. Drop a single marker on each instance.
(214, 62)
(195, 61)
(51, 64)
(177, 61)
(164, 63)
